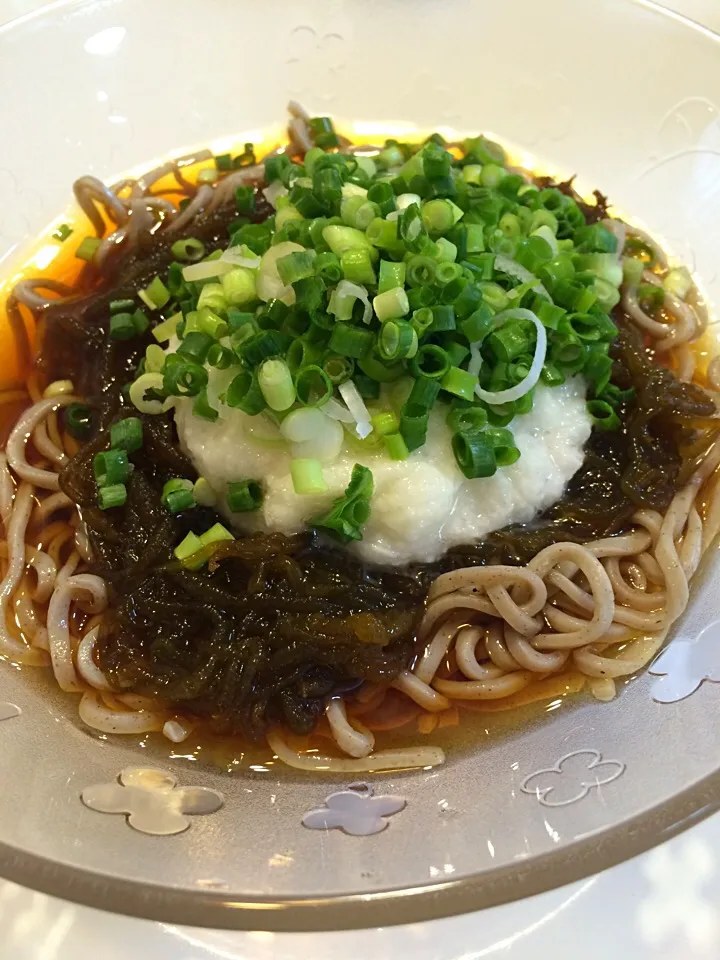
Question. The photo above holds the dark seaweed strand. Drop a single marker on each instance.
(275, 624)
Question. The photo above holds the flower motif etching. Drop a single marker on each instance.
(8, 711)
(572, 778)
(355, 811)
(152, 800)
(686, 664)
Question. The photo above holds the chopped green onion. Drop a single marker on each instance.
(111, 467)
(384, 234)
(202, 407)
(213, 297)
(385, 423)
(350, 512)
(144, 394)
(327, 267)
(78, 420)
(184, 378)
(238, 287)
(395, 446)
(211, 324)
(438, 216)
(244, 496)
(220, 357)
(188, 547)
(357, 266)
(339, 368)
(127, 434)
(467, 419)
(122, 327)
(88, 248)
(204, 493)
(340, 239)
(140, 322)
(244, 393)
(397, 340)
(121, 306)
(430, 361)
(167, 329)
(307, 476)
(503, 444)
(474, 455)
(188, 250)
(421, 270)
(349, 341)
(177, 495)
(155, 295)
(604, 416)
(443, 318)
(112, 495)
(216, 534)
(322, 132)
(313, 386)
(391, 305)
(446, 253)
(296, 266)
(391, 275)
(276, 384)
(460, 383)
(244, 199)
(62, 232)
(422, 320)
(195, 346)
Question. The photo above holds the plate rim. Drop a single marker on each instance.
(599, 850)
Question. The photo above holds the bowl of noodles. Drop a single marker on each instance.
(359, 471)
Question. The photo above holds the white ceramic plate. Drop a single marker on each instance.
(105, 87)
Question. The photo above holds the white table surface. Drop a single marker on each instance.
(664, 905)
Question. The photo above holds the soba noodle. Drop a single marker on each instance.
(576, 614)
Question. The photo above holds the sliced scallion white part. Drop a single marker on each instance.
(274, 191)
(496, 397)
(203, 493)
(514, 269)
(312, 435)
(343, 297)
(241, 256)
(206, 269)
(269, 286)
(353, 190)
(138, 389)
(356, 405)
(337, 411)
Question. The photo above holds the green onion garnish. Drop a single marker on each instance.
(244, 393)
(349, 513)
(111, 467)
(177, 495)
(244, 496)
(62, 232)
(112, 495)
(189, 250)
(474, 455)
(126, 435)
(88, 248)
(78, 420)
(307, 476)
